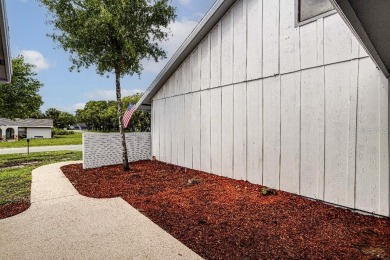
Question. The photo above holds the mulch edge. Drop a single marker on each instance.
(13, 208)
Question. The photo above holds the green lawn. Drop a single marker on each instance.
(72, 139)
(15, 172)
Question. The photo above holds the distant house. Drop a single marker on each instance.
(79, 126)
(282, 93)
(25, 128)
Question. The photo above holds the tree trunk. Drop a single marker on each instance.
(120, 116)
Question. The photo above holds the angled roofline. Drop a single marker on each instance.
(4, 34)
(350, 17)
(216, 12)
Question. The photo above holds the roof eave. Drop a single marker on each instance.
(364, 35)
(4, 34)
(216, 12)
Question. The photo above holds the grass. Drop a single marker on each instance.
(72, 139)
(15, 172)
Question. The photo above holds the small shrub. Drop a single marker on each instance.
(193, 181)
(268, 191)
(57, 131)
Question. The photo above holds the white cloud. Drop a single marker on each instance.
(180, 31)
(108, 94)
(72, 108)
(36, 58)
(185, 2)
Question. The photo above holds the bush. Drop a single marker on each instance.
(57, 131)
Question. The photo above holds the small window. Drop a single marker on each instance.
(310, 10)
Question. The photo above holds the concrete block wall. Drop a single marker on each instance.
(102, 149)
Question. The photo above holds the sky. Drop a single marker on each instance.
(68, 91)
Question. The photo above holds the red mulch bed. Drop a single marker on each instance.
(221, 218)
(12, 209)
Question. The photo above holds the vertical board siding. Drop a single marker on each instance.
(368, 138)
(215, 56)
(239, 41)
(188, 131)
(362, 52)
(174, 129)
(205, 132)
(254, 39)
(290, 132)
(271, 128)
(301, 109)
(179, 81)
(195, 70)
(155, 133)
(181, 130)
(186, 76)
(353, 93)
(311, 43)
(216, 131)
(227, 49)
(337, 145)
(163, 122)
(168, 130)
(227, 131)
(158, 129)
(168, 87)
(205, 64)
(289, 38)
(270, 37)
(195, 124)
(384, 179)
(336, 33)
(239, 132)
(312, 133)
(153, 123)
(320, 41)
(254, 131)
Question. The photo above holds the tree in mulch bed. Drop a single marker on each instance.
(222, 218)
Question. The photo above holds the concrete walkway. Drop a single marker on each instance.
(62, 224)
(42, 149)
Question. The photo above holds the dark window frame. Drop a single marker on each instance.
(315, 18)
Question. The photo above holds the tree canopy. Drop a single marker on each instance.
(101, 115)
(113, 35)
(20, 98)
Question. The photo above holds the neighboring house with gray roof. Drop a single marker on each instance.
(25, 128)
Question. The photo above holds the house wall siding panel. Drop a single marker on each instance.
(302, 109)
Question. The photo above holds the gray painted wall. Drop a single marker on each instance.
(301, 109)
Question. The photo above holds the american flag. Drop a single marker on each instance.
(127, 116)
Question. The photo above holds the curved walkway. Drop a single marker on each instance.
(42, 149)
(62, 224)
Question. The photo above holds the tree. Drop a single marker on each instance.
(98, 115)
(20, 98)
(53, 113)
(101, 115)
(114, 35)
(65, 119)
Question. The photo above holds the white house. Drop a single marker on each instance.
(279, 93)
(25, 128)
